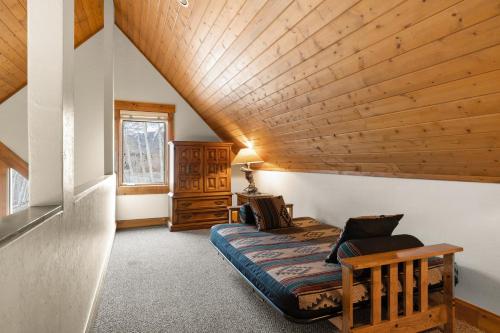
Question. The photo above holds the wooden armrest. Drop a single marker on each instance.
(232, 210)
(393, 257)
(236, 209)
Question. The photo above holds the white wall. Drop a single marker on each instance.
(137, 80)
(89, 106)
(14, 123)
(460, 213)
(54, 269)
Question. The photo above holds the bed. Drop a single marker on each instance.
(287, 268)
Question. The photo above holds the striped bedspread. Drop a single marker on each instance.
(288, 265)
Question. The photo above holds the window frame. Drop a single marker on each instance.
(10, 174)
(168, 110)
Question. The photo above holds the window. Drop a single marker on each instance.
(142, 133)
(18, 192)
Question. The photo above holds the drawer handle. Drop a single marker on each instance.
(219, 202)
(186, 204)
(187, 216)
(219, 214)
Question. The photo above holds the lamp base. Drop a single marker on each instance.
(251, 188)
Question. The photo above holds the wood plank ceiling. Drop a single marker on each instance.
(407, 88)
(13, 35)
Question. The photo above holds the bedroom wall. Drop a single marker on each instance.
(14, 123)
(89, 130)
(137, 80)
(464, 214)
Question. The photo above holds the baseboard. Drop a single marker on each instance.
(478, 317)
(97, 295)
(137, 223)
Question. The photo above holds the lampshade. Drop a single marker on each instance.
(247, 155)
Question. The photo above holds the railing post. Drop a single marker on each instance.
(393, 292)
(376, 295)
(347, 306)
(408, 287)
(448, 278)
(423, 288)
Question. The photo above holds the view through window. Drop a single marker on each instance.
(18, 192)
(143, 149)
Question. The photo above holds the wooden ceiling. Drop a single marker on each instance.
(13, 35)
(406, 88)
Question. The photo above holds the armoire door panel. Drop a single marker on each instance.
(223, 154)
(211, 169)
(223, 184)
(211, 154)
(196, 185)
(211, 184)
(223, 169)
(188, 164)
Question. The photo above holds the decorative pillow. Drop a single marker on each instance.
(270, 213)
(365, 227)
(361, 247)
(246, 214)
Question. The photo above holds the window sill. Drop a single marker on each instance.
(142, 189)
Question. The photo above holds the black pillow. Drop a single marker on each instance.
(362, 247)
(246, 214)
(365, 227)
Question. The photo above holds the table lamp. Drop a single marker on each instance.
(247, 156)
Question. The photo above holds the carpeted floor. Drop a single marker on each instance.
(158, 281)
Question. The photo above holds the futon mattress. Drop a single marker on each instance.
(288, 265)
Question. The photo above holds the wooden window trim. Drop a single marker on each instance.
(169, 110)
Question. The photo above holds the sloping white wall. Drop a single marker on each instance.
(89, 106)
(137, 80)
(14, 123)
(460, 213)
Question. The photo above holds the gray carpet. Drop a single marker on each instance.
(158, 281)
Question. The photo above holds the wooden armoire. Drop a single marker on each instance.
(200, 184)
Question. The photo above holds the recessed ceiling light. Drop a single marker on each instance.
(183, 2)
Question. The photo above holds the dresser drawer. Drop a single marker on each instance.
(202, 216)
(202, 203)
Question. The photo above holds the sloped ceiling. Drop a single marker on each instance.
(392, 88)
(407, 88)
(13, 35)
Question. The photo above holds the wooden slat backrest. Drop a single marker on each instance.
(408, 287)
(393, 291)
(376, 295)
(393, 257)
(423, 288)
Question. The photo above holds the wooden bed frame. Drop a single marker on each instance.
(429, 313)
